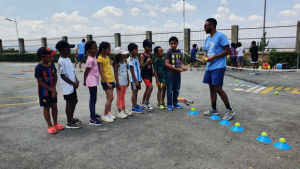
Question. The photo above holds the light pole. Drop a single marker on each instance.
(183, 1)
(263, 42)
(15, 21)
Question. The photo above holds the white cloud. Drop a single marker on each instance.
(32, 25)
(152, 21)
(221, 9)
(127, 1)
(287, 13)
(85, 29)
(73, 17)
(156, 8)
(109, 14)
(297, 6)
(175, 7)
(233, 17)
(224, 2)
(255, 18)
(131, 29)
(171, 25)
(219, 16)
(288, 22)
(153, 14)
(178, 7)
(135, 11)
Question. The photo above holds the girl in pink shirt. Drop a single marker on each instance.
(91, 80)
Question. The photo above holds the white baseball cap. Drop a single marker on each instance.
(120, 50)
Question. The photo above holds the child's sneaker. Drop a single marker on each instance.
(211, 112)
(170, 107)
(228, 114)
(97, 116)
(111, 115)
(96, 122)
(137, 111)
(140, 107)
(77, 121)
(256, 73)
(122, 115)
(149, 107)
(107, 119)
(160, 106)
(128, 113)
(73, 125)
(164, 104)
(178, 106)
(252, 73)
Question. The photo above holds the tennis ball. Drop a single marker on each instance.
(193, 109)
(276, 93)
(206, 58)
(237, 124)
(264, 134)
(282, 140)
(237, 80)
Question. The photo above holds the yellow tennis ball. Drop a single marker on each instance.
(264, 134)
(282, 140)
(276, 93)
(206, 58)
(228, 56)
(193, 109)
(237, 124)
(237, 80)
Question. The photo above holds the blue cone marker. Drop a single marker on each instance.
(225, 123)
(215, 117)
(264, 138)
(282, 144)
(193, 112)
(237, 128)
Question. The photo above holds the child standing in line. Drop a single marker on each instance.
(254, 57)
(173, 61)
(193, 60)
(240, 55)
(68, 82)
(160, 76)
(107, 79)
(147, 73)
(134, 77)
(233, 56)
(91, 80)
(122, 81)
(45, 74)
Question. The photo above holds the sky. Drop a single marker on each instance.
(74, 18)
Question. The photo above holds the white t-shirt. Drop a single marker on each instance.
(240, 51)
(136, 68)
(66, 68)
(122, 74)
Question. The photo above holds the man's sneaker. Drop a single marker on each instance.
(211, 112)
(107, 119)
(149, 107)
(122, 115)
(228, 114)
(178, 106)
(160, 106)
(252, 73)
(137, 111)
(96, 122)
(73, 125)
(97, 116)
(170, 107)
(77, 121)
(111, 115)
(128, 113)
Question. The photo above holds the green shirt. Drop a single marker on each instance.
(159, 65)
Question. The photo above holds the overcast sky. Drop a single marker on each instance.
(55, 18)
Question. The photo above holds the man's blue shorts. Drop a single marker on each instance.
(80, 57)
(214, 77)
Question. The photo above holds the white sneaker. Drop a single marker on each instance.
(111, 116)
(122, 115)
(107, 119)
(128, 113)
(149, 107)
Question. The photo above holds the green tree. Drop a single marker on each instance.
(259, 44)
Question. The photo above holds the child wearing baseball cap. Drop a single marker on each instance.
(45, 73)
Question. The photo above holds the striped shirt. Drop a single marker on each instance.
(232, 53)
(134, 62)
(48, 75)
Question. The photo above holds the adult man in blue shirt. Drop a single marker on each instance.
(216, 49)
(80, 52)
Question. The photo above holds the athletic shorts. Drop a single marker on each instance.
(162, 85)
(105, 86)
(214, 77)
(80, 57)
(193, 60)
(46, 101)
(71, 96)
(240, 59)
(148, 81)
(134, 87)
(232, 60)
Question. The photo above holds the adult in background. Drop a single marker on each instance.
(80, 52)
(216, 49)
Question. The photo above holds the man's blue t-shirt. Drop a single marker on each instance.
(213, 46)
(193, 52)
(81, 48)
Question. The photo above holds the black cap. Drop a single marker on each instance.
(45, 52)
(63, 44)
(83, 40)
(239, 44)
(147, 42)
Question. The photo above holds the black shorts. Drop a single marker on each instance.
(134, 87)
(71, 96)
(232, 60)
(105, 86)
(46, 101)
(193, 60)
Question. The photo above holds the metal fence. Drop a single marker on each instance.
(280, 38)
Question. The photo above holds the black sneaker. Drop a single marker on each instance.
(77, 121)
(73, 125)
(97, 116)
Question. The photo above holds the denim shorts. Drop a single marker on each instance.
(105, 87)
(240, 59)
(214, 77)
